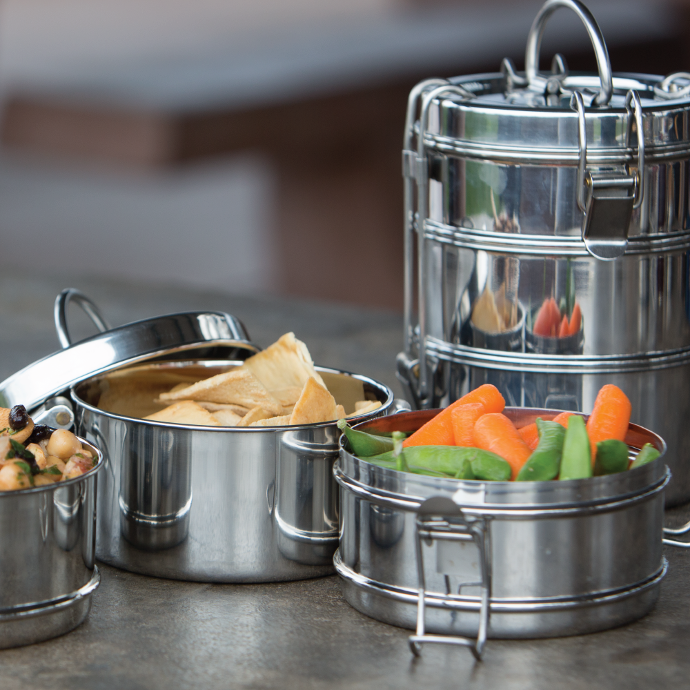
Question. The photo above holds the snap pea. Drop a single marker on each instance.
(576, 462)
(450, 461)
(465, 472)
(612, 457)
(545, 462)
(647, 453)
(490, 467)
(364, 445)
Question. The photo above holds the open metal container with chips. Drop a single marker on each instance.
(547, 238)
(186, 501)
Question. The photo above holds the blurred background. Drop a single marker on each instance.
(249, 147)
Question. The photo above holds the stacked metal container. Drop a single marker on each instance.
(528, 193)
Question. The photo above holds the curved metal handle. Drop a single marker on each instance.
(60, 314)
(537, 31)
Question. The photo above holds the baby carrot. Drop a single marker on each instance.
(439, 430)
(562, 418)
(496, 433)
(464, 418)
(609, 418)
(488, 395)
(530, 435)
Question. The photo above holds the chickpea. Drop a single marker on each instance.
(63, 443)
(38, 454)
(13, 477)
(52, 460)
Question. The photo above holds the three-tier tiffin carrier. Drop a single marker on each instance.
(547, 237)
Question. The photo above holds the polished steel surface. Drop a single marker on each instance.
(133, 342)
(212, 504)
(566, 557)
(47, 552)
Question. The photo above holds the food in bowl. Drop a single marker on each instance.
(37, 455)
(278, 386)
(472, 439)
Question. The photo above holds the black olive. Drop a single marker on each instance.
(40, 433)
(19, 417)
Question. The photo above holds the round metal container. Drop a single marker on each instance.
(533, 186)
(47, 554)
(212, 504)
(565, 557)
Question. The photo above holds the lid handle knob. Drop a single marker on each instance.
(595, 35)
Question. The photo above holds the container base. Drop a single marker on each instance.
(41, 621)
(509, 618)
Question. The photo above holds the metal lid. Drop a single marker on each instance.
(203, 333)
(530, 117)
(522, 126)
(589, 145)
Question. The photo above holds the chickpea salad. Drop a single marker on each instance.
(37, 455)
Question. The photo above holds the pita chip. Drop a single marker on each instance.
(283, 420)
(286, 364)
(287, 397)
(226, 417)
(255, 415)
(220, 407)
(367, 406)
(315, 405)
(185, 412)
(238, 387)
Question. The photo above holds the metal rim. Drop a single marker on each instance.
(566, 155)
(246, 429)
(552, 364)
(59, 485)
(546, 245)
(42, 608)
(507, 511)
(469, 603)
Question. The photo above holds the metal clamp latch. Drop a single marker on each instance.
(607, 199)
(441, 519)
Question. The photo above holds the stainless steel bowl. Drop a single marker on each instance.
(564, 557)
(211, 504)
(47, 552)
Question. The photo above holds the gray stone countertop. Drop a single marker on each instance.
(153, 633)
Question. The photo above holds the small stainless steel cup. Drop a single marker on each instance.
(47, 552)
